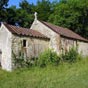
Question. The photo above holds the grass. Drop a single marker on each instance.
(64, 76)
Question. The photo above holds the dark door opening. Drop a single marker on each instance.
(24, 43)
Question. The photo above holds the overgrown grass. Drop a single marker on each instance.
(65, 75)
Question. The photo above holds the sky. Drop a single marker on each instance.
(16, 2)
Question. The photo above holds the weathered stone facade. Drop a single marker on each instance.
(54, 37)
(15, 41)
(12, 44)
(60, 43)
(66, 44)
(34, 46)
(83, 48)
(5, 47)
(57, 42)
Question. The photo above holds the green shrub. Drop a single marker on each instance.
(20, 61)
(71, 55)
(48, 57)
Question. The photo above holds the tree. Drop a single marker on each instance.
(26, 6)
(3, 5)
(72, 14)
(11, 15)
(44, 10)
(25, 14)
(23, 18)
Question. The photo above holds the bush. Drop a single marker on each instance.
(71, 55)
(20, 61)
(48, 57)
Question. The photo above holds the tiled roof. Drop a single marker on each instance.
(24, 31)
(64, 32)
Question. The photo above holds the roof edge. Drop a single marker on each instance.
(27, 35)
(84, 39)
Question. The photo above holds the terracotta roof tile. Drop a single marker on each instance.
(64, 32)
(24, 31)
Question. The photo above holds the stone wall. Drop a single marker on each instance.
(5, 47)
(54, 37)
(57, 42)
(34, 46)
(83, 48)
(67, 43)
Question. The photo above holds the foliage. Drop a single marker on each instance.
(3, 5)
(25, 5)
(72, 14)
(23, 18)
(12, 17)
(71, 55)
(20, 61)
(44, 10)
(48, 57)
(25, 14)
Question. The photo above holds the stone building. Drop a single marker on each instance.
(61, 39)
(16, 41)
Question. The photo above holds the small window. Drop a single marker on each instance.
(24, 43)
